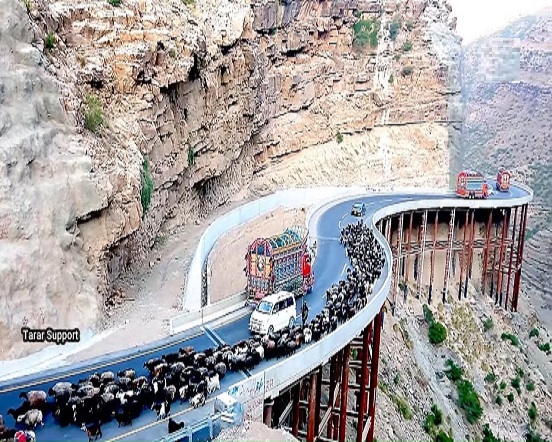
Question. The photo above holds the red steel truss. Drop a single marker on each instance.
(337, 401)
(501, 257)
(323, 405)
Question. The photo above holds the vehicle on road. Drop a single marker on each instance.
(358, 209)
(273, 313)
(281, 262)
(503, 180)
(470, 184)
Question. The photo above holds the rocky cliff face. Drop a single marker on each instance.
(47, 187)
(508, 96)
(214, 99)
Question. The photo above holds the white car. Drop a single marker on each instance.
(273, 313)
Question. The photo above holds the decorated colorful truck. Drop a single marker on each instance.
(503, 180)
(470, 184)
(281, 262)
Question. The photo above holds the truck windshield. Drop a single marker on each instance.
(264, 307)
(474, 185)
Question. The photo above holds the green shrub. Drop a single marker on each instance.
(191, 156)
(503, 385)
(510, 337)
(114, 3)
(429, 424)
(395, 27)
(409, 25)
(545, 347)
(488, 324)
(428, 315)
(407, 70)
(454, 372)
(437, 414)
(50, 40)
(397, 57)
(433, 420)
(391, 78)
(516, 383)
(534, 332)
(520, 372)
(93, 113)
(357, 14)
(510, 397)
(531, 436)
(365, 32)
(437, 333)
(188, 2)
(532, 412)
(147, 187)
(396, 379)
(498, 400)
(339, 138)
(490, 378)
(469, 401)
(488, 435)
(443, 437)
(530, 386)
(403, 407)
(407, 46)
(27, 4)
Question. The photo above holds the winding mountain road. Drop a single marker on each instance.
(329, 267)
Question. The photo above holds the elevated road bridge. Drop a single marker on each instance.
(289, 392)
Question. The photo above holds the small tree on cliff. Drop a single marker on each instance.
(147, 187)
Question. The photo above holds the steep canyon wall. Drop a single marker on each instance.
(223, 99)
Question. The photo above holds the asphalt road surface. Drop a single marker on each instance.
(330, 266)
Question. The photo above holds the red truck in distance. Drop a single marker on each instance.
(503, 180)
(470, 184)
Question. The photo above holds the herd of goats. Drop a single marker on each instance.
(190, 375)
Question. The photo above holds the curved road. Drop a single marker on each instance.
(329, 267)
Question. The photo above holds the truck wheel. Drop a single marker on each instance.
(291, 322)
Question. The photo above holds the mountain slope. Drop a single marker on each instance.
(507, 95)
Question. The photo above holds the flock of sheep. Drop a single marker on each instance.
(190, 375)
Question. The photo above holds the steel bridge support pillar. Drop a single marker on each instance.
(433, 253)
(407, 258)
(503, 237)
(369, 430)
(267, 412)
(344, 393)
(510, 262)
(422, 254)
(486, 253)
(519, 257)
(448, 260)
(398, 260)
(470, 254)
(462, 259)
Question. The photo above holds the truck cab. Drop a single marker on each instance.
(273, 313)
